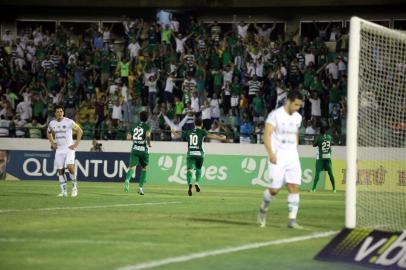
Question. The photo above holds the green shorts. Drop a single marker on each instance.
(139, 158)
(323, 165)
(194, 162)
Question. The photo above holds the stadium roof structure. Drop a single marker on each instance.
(200, 3)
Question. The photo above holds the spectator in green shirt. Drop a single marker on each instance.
(217, 80)
(38, 107)
(316, 85)
(88, 129)
(123, 70)
(334, 97)
(90, 88)
(166, 34)
(258, 105)
(11, 97)
(308, 75)
(179, 107)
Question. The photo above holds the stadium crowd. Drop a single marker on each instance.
(231, 77)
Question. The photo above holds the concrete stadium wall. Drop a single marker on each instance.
(338, 152)
(157, 147)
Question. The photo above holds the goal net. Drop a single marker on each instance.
(376, 128)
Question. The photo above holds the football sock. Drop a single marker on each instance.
(129, 175)
(143, 178)
(331, 176)
(316, 180)
(293, 205)
(62, 182)
(189, 177)
(266, 201)
(198, 175)
(189, 192)
(73, 179)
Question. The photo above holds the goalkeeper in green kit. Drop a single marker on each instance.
(195, 154)
(323, 158)
(140, 134)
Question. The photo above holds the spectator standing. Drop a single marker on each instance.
(206, 114)
(246, 129)
(19, 124)
(24, 110)
(35, 129)
(100, 108)
(152, 91)
(315, 106)
(117, 114)
(123, 68)
(215, 107)
(263, 31)
(194, 102)
(215, 129)
(4, 126)
(258, 107)
(332, 69)
(254, 86)
(236, 90)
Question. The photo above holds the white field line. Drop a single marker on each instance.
(193, 256)
(84, 207)
(74, 241)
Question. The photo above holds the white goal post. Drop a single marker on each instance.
(376, 94)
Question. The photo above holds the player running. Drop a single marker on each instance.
(140, 134)
(195, 154)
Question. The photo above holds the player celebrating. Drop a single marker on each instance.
(323, 158)
(195, 153)
(60, 137)
(141, 137)
(280, 141)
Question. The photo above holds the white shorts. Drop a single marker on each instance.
(64, 157)
(286, 170)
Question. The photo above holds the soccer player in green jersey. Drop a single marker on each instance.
(323, 158)
(195, 153)
(140, 134)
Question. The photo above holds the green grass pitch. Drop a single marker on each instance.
(106, 228)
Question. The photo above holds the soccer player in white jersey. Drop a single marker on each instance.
(60, 137)
(280, 141)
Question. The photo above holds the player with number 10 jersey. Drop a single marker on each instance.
(195, 153)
